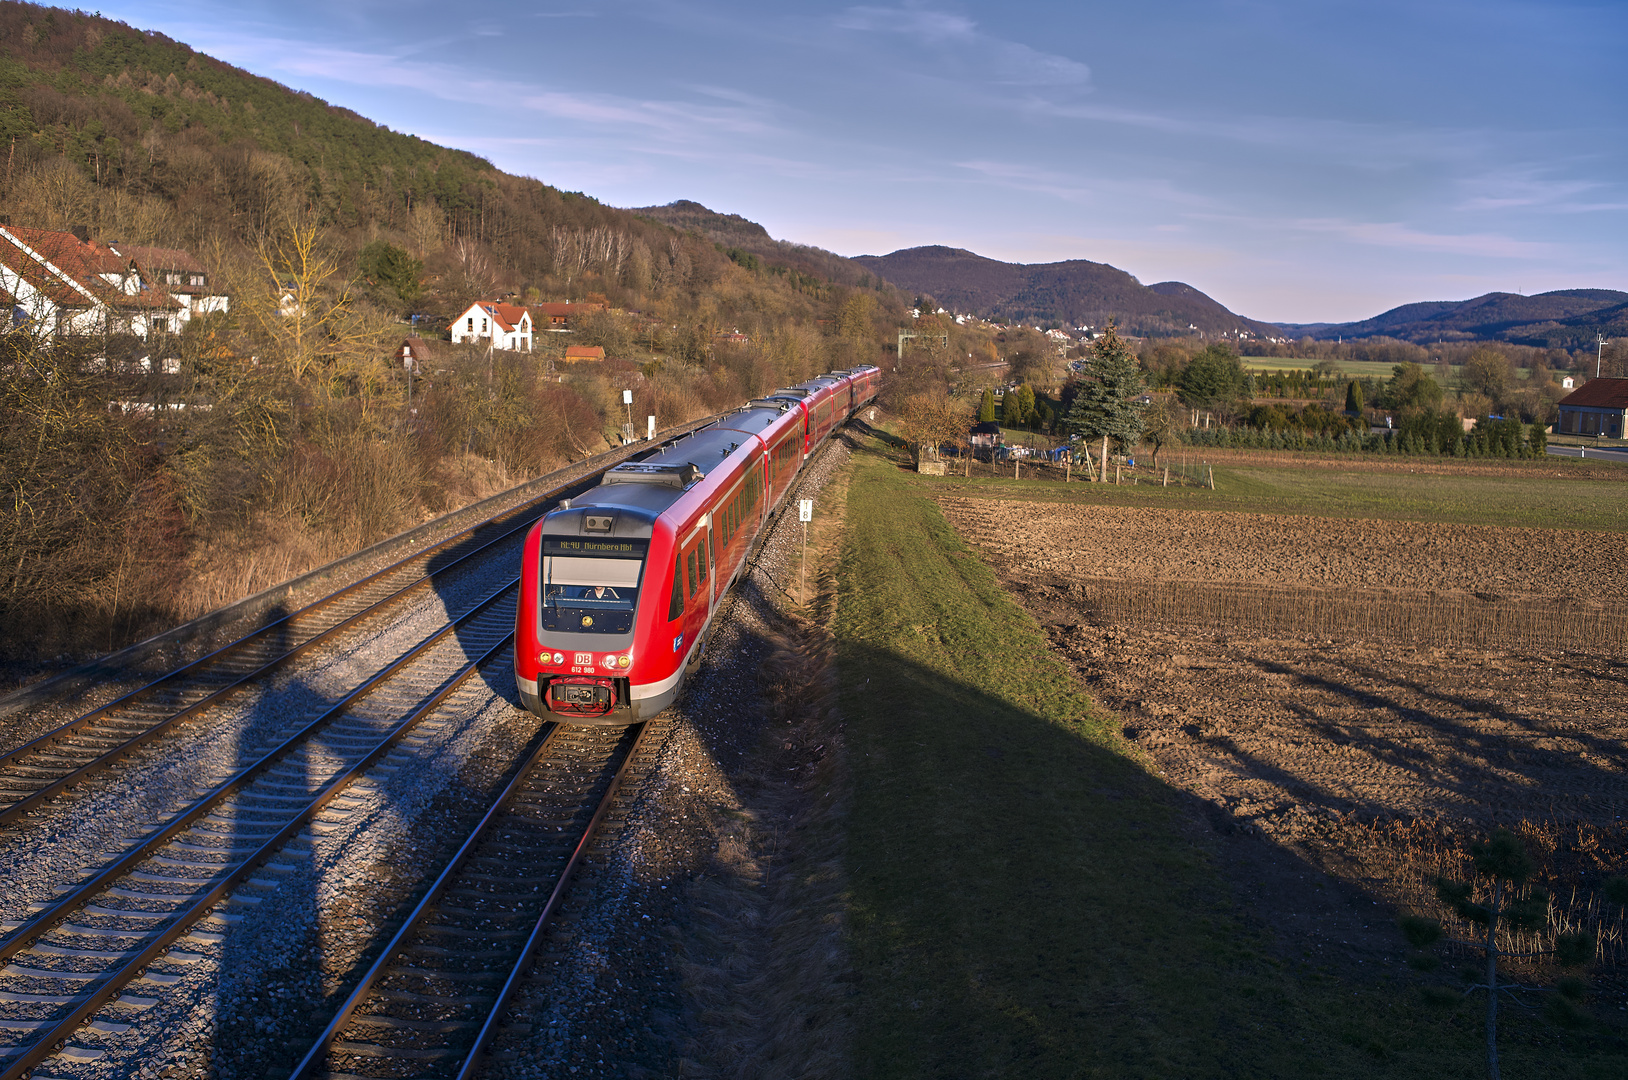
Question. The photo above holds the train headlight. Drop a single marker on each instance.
(559, 658)
(623, 661)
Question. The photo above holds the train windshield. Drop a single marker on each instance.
(591, 586)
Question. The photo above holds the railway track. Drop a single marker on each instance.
(41, 769)
(38, 771)
(431, 1003)
(76, 955)
(103, 950)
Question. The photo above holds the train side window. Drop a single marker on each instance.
(675, 606)
(691, 580)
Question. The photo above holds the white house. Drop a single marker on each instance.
(57, 283)
(182, 276)
(508, 326)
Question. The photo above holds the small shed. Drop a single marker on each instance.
(584, 352)
(413, 353)
(1598, 407)
(987, 435)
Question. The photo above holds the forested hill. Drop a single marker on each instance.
(152, 115)
(1566, 319)
(726, 229)
(748, 243)
(1075, 292)
(143, 139)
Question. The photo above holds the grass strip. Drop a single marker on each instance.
(1527, 502)
(1027, 900)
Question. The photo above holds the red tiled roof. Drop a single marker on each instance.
(82, 263)
(155, 262)
(158, 259)
(1599, 394)
(507, 316)
(584, 352)
(28, 268)
(422, 350)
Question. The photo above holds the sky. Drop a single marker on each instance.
(1297, 160)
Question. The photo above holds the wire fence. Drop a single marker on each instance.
(1457, 619)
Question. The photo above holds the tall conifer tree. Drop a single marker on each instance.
(986, 407)
(1106, 403)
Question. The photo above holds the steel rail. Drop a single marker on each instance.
(115, 980)
(32, 802)
(73, 726)
(427, 906)
(27, 934)
(523, 965)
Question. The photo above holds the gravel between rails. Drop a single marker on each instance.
(604, 1000)
(42, 856)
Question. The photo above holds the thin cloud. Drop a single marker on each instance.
(980, 56)
(1530, 190)
(1075, 188)
(668, 120)
(1390, 234)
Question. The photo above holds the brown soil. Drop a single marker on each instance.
(1045, 542)
(1368, 761)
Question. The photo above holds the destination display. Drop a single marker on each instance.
(602, 547)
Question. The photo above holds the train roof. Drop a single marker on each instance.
(756, 416)
(635, 493)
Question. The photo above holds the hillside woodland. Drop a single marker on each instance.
(141, 493)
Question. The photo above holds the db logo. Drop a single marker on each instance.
(585, 658)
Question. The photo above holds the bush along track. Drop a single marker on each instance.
(1028, 899)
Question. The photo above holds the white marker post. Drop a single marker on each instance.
(805, 514)
(649, 427)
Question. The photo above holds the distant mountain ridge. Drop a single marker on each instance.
(1565, 318)
(1076, 292)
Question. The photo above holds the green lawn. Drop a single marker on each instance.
(1537, 501)
(1027, 900)
(1352, 369)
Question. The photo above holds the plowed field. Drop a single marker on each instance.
(1356, 749)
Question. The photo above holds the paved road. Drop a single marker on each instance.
(1611, 454)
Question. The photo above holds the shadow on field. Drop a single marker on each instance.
(1496, 769)
(1026, 901)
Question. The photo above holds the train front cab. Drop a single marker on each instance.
(585, 582)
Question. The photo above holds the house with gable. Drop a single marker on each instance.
(506, 326)
(181, 275)
(1598, 407)
(63, 283)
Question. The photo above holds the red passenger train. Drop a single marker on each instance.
(618, 587)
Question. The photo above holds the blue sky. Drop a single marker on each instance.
(1314, 160)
